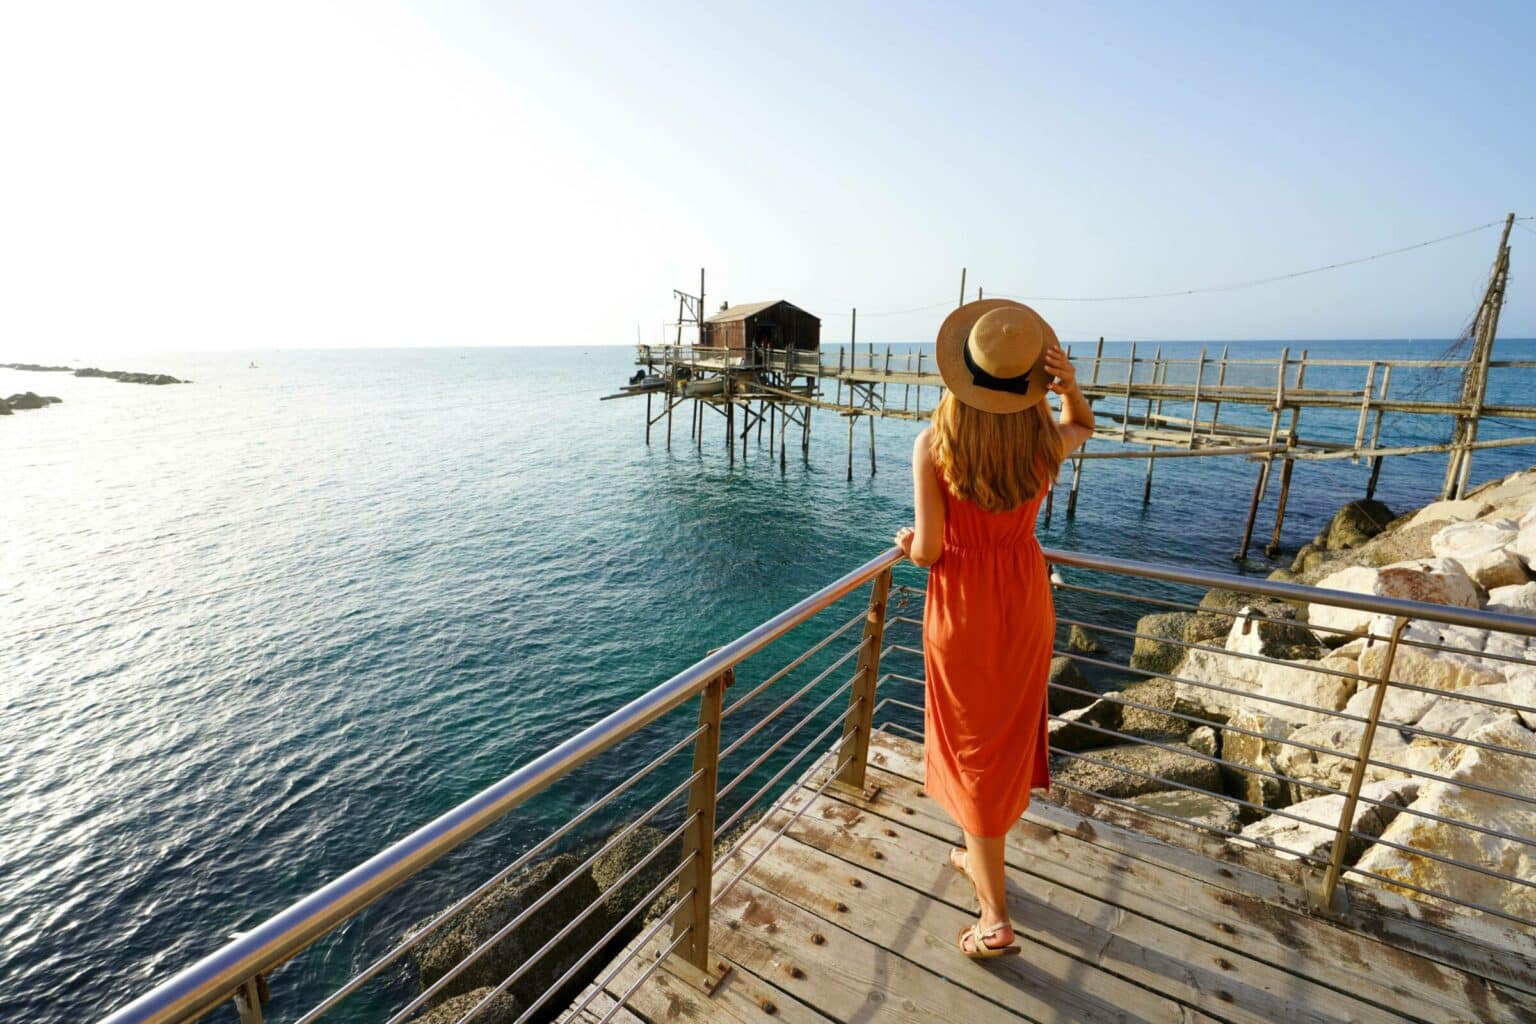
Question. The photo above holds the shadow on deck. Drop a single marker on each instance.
(851, 915)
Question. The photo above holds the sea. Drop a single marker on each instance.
(256, 627)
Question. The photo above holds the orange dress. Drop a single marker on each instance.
(988, 626)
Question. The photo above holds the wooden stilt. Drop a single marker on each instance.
(1253, 512)
(1370, 487)
(851, 418)
(1221, 379)
(1077, 479)
(1273, 548)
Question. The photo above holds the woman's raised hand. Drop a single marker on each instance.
(904, 540)
(1061, 369)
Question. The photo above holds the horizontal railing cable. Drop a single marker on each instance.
(575, 873)
(358, 980)
(789, 734)
(795, 663)
(570, 926)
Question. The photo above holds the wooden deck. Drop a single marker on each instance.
(851, 916)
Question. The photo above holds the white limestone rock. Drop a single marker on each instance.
(1450, 511)
(1496, 769)
(1297, 682)
(1313, 837)
(1484, 550)
(1437, 581)
(1516, 599)
(1523, 546)
(1434, 669)
(1333, 770)
(1251, 740)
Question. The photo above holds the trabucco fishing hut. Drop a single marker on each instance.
(763, 365)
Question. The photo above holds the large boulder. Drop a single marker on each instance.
(1356, 523)
(1438, 581)
(1068, 688)
(505, 1010)
(1308, 829)
(1517, 599)
(1483, 550)
(1079, 639)
(1523, 546)
(1153, 651)
(1149, 769)
(1220, 684)
(1503, 770)
(500, 906)
(1072, 730)
(1250, 744)
(1156, 696)
(1302, 764)
(1205, 811)
(625, 854)
(1435, 669)
(1450, 511)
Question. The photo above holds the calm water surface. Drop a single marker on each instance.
(254, 628)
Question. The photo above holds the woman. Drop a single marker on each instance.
(978, 474)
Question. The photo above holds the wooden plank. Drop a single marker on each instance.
(911, 923)
(740, 998)
(843, 975)
(600, 1005)
(1099, 931)
(1471, 949)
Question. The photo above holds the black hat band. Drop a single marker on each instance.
(981, 378)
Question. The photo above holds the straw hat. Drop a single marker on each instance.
(991, 354)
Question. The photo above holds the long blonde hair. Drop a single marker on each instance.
(996, 460)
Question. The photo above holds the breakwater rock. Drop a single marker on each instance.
(26, 400)
(572, 887)
(123, 376)
(1457, 729)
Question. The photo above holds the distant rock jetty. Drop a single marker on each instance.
(123, 376)
(1479, 552)
(26, 400)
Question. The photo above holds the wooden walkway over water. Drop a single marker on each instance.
(851, 916)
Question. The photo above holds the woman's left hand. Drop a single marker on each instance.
(1060, 367)
(904, 540)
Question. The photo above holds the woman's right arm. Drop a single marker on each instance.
(1076, 414)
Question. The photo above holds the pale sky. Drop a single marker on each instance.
(210, 175)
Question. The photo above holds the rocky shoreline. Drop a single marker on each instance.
(1479, 552)
(480, 922)
(122, 376)
(27, 400)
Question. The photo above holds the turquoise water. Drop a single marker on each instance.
(257, 627)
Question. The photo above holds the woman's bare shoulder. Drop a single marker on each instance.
(922, 445)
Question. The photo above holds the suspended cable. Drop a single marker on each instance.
(1257, 281)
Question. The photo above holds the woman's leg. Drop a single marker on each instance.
(984, 863)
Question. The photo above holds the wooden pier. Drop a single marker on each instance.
(851, 915)
(1147, 406)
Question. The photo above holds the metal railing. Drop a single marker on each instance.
(1214, 682)
(240, 970)
(678, 900)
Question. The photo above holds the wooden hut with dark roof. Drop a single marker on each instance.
(757, 326)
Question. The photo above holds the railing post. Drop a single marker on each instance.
(696, 883)
(249, 999)
(859, 720)
(1327, 898)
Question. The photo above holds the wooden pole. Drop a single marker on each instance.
(647, 417)
(1158, 370)
(1077, 479)
(1194, 410)
(1370, 487)
(1098, 354)
(1221, 380)
(851, 418)
(1488, 329)
(1130, 374)
(962, 287)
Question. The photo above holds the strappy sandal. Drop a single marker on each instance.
(979, 950)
